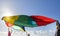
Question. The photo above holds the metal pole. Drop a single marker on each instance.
(27, 34)
(9, 32)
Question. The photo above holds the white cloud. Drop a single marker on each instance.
(32, 33)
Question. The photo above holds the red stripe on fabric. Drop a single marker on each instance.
(42, 20)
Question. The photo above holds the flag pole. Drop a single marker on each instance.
(9, 31)
(57, 27)
(27, 34)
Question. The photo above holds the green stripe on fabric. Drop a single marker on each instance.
(24, 20)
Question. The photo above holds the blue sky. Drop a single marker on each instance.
(49, 8)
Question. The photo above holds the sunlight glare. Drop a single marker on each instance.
(7, 12)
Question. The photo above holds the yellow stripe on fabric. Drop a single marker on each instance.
(10, 19)
(21, 29)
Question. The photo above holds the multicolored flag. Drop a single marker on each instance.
(27, 21)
